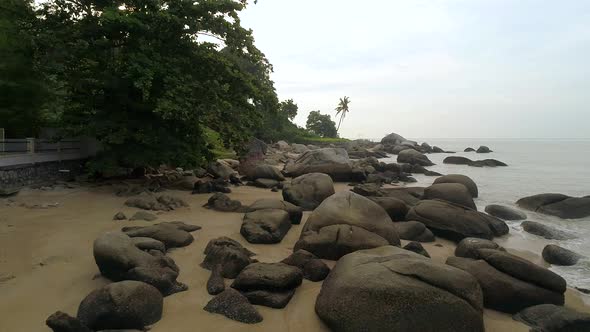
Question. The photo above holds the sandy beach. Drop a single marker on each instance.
(46, 262)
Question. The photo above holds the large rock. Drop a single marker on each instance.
(313, 268)
(332, 161)
(235, 306)
(151, 202)
(265, 226)
(395, 208)
(222, 202)
(510, 283)
(346, 222)
(505, 212)
(457, 160)
(557, 255)
(391, 289)
(414, 231)
(412, 156)
(545, 231)
(227, 253)
(393, 139)
(295, 212)
(483, 149)
(173, 234)
(456, 222)
(121, 305)
(309, 190)
(468, 247)
(62, 322)
(264, 171)
(459, 178)
(553, 318)
(450, 192)
(118, 258)
(220, 169)
(558, 205)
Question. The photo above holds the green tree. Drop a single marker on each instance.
(342, 109)
(321, 124)
(289, 108)
(140, 77)
(22, 90)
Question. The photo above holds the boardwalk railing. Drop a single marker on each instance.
(31, 145)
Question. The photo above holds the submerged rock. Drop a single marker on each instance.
(504, 212)
(545, 231)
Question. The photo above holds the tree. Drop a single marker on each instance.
(342, 109)
(289, 108)
(321, 124)
(139, 77)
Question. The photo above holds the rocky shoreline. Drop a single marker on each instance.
(336, 213)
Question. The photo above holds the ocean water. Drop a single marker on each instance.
(534, 167)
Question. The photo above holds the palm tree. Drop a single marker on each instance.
(342, 109)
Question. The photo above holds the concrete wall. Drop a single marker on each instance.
(12, 178)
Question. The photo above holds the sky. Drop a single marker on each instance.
(431, 68)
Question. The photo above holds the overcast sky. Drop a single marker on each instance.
(433, 69)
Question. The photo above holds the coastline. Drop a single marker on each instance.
(49, 253)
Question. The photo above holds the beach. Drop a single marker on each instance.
(47, 263)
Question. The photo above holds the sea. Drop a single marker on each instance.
(534, 167)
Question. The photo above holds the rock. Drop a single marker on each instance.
(395, 208)
(215, 283)
(469, 150)
(120, 216)
(391, 289)
(272, 299)
(436, 149)
(118, 259)
(207, 187)
(457, 160)
(147, 244)
(483, 149)
(314, 269)
(545, 231)
(393, 139)
(265, 183)
(487, 162)
(412, 156)
(282, 145)
(227, 253)
(235, 306)
(468, 247)
(62, 322)
(426, 147)
(367, 189)
(557, 255)
(414, 231)
(410, 195)
(299, 148)
(143, 215)
(552, 318)
(459, 178)
(510, 283)
(173, 234)
(295, 212)
(346, 222)
(160, 203)
(332, 161)
(268, 276)
(504, 212)
(456, 222)
(265, 226)
(264, 171)
(121, 305)
(309, 190)
(221, 202)
(184, 183)
(417, 248)
(558, 205)
(220, 169)
(451, 192)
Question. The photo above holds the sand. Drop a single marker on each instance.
(46, 262)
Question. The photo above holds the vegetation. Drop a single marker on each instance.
(321, 124)
(342, 109)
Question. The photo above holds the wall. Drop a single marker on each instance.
(12, 178)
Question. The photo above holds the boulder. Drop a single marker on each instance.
(436, 149)
(504, 212)
(545, 231)
(414, 231)
(412, 156)
(553, 318)
(332, 161)
(227, 253)
(558, 205)
(409, 195)
(121, 305)
(265, 183)
(147, 244)
(391, 289)
(173, 234)
(469, 150)
(151, 202)
(221, 202)
(207, 187)
(346, 222)
(483, 149)
(295, 212)
(143, 215)
(456, 222)
(216, 283)
(118, 258)
(417, 248)
(282, 145)
(220, 169)
(264, 171)
(451, 192)
(487, 162)
(62, 322)
(265, 226)
(468, 247)
(395, 208)
(457, 160)
(299, 148)
(393, 139)
(459, 178)
(511, 283)
(313, 268)
(120, 216)
(556, 255)
(309, 190)
(235, 306)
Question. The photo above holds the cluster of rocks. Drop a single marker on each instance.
(458, 160)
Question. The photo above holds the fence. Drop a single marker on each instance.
(31, 145)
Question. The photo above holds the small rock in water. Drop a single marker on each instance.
(120, 216)
(557, 255)
(142, 215)
(234, 305)
(545, 231)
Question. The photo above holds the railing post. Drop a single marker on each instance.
(30, 145)
(2, 148)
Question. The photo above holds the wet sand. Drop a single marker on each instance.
(46, 262)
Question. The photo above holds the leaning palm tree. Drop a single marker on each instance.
(342, 109)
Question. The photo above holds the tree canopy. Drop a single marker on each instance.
(289, 108)
(321, 124)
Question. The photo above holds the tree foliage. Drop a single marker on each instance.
(342, 109)
(289, 108)
(321, 124)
